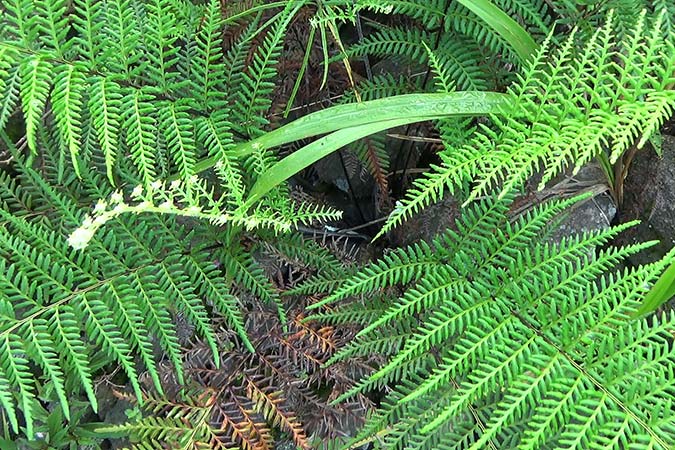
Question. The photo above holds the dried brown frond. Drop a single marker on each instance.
(248, 400)
(375, 166)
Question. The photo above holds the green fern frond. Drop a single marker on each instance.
(89, 26)
(235, 59)
(174, 121)
(123, 35)
(22, 22)
(516, 323)
(10, 94)
(53, 22)
(256, 82)
(488, 336)
(246, 272)
(300, 252)
(319, 283)
(161, 38)
(406, 42)
(139, 123)
(67, 108)
(208, 61)
(401, 265)
(567, 110)
(454, 52)
(106, 115)
(35, 84)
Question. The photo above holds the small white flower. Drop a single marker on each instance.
(193, 179)
(100, 207)
(144, 205)
(137, 192)
(194, 209)
(175, 184)
(116, 197)
(119, 208)
(100, 221)
(87, 222)
(167, 206)
(220, 164)
(81, 237)
(156, 184)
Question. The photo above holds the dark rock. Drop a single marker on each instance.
(593, 214)
(649, 194)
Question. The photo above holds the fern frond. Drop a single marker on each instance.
(399, 266)
(10, 94)
(53, 22)
(175, 122)
(245, 271)
(268, 404)
(257, 86)
(123, 36)
(139, 123)
(88, 23)
(161, 38)
(105, 107)
(214, 133)
(534, 329)
(566, 114)
(67, 108)
(372, 152)
(16, 372)
(235, 59)
(208, 61)
(35, 84)
(23, 22)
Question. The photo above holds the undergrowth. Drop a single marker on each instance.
(149, 241)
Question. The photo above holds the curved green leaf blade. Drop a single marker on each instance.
(662, 291)
(520, 40)
(415, 107)
(368, 120)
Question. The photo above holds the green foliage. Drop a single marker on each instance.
(570, 105)
(116, 96)
(504, 338)
(118, 294)
(143, 190)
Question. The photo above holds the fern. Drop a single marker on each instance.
(252, 396)
(519, 327)
(126, 67)
(254, 97)
(134, 91)
(131, 205)
(555, 123)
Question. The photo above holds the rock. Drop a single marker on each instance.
(649, 191)
(594, 214)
